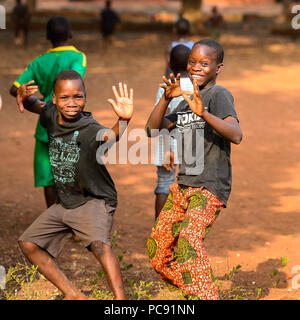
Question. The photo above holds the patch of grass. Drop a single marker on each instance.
(234, 270)
(101, 294)
(21, 277)
(139, 291)
(284, 261)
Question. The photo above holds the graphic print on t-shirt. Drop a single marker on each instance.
(63, 157)
(189, 120)
(190, 136)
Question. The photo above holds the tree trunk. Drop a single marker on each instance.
(191, 10)
(190, 5)
(286, 9)
(31, 5)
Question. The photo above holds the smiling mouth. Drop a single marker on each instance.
(196, 76)
(72, 113)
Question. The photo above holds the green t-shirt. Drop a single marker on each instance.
(43, 71)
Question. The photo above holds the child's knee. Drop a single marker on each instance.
(27, 247)
(99, 248)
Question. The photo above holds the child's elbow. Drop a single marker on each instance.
(13, 91)
(237, 139)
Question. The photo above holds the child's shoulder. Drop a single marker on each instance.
(48, 109)
(37, 59)
(217, 88)
(49, 106)
(91, 121)
(90, 128)
(68, 49)
(48, 114)
(217, 92)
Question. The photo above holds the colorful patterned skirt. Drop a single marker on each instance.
(175, 246)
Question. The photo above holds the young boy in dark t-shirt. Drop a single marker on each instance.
(86, 195)
(43, 70)
(206, 124)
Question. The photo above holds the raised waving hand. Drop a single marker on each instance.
(196, 105)
(24, 91)
(123, 103)
(172, 87)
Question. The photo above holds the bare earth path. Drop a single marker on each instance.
(258, 231)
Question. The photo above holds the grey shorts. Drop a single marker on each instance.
(90, 222)
(164, 179)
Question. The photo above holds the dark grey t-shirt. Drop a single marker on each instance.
(72, 149)
(204, 155)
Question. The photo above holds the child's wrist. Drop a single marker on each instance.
(204, 114)
(167, 99)
(124, 119)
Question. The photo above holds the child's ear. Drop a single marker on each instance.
(220, 68)
(53, 98)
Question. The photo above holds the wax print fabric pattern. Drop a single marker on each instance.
(175, 246)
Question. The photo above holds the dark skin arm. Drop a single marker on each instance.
(13, 91)
(228, 128)
(27, 100)
(156, 119)
(123, 107)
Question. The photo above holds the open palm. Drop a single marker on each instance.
(172, 87)
(196, 105)
(24, 91)
(123, 104)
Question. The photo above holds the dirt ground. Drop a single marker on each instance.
(253, 246)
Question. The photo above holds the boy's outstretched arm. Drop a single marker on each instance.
(27, 100)
(123, 107)
(228, 128)
(156, 119)
(13, 91)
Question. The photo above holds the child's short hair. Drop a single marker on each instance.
(58, 29)
(212, 43)
(182, 26)
(68, 75)
(179, 57)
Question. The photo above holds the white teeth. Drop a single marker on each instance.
(196, 76)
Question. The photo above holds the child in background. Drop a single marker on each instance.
(207, 125)
(165, 157)
(108, 21)
(43, 71)
(86, 194)
(216, 23)
(20, 18)
(182, 31)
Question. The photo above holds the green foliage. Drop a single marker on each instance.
(99, 294)
(234, 270)
(258, 292)
(20, 277)
(284, 261)
(99, 276)
(273, 273)
(139, 291)
(124, 266)
(114, 242)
